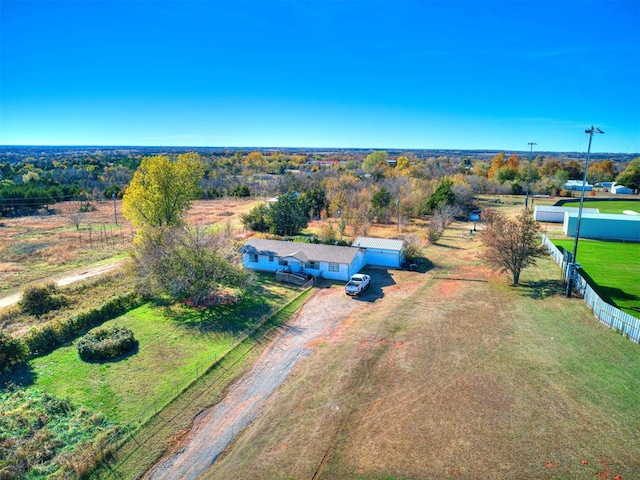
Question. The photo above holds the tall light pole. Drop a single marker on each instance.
(115, 215)
(572, 260)
(526, 199)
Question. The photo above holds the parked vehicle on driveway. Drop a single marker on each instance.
(358, 283)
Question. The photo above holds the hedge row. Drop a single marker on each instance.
(48, 337)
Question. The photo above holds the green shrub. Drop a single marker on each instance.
(106, 343)
(12, 351)
(44, 339)
(40, 299)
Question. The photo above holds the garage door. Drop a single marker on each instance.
(382, 258)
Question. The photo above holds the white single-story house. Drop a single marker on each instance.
(326, 261)
(382, 252)
(577, 185)
(555, 214)
(603, 226)
(621, 190)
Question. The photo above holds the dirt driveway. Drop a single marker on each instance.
(214, 429)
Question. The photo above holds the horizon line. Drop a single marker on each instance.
(489, 150)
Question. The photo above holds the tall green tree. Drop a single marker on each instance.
(161, 191)
(375, 161)
(380, 202)
(510, 245)
(286, 216)
(256, 218)
(443, 194)
(630, 176)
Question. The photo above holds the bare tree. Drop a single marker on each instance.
(510, 245)
(76, 218)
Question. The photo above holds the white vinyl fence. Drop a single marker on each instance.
(611, 316)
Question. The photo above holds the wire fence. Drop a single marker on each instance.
(613, 317)
(130, 431)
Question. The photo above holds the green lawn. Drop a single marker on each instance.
(613, 206)
(613, 269)
(176, 345)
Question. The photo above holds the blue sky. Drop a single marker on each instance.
(387, 74)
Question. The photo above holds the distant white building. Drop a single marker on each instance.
(576, 185)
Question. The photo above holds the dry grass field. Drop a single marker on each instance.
(454, 374)
(39, 248)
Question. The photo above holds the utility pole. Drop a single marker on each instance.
(526, 200)
(572, 260)
(115, 215)
(398, 206)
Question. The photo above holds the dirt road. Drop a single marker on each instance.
(83, 274)
(214, 429)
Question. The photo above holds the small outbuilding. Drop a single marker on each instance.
(614, 227)
(576, 185)
(382, 252)
(621, 190)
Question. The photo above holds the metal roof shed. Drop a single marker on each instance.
(602, 226)
(382, 252)
(555, 214)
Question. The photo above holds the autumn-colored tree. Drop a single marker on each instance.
(574, 169)
(161, 191)
(513, 161)
(402, 163)
(550, 167)
(510, 245)
(496, 164)
(601, 172)
(255, 161)
(480, 169)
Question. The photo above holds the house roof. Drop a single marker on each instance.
(381, 243)
(301, 251)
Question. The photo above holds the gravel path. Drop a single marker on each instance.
(14, 298)
(214, 429)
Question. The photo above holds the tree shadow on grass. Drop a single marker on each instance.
(21, 375)
(609, 294)
(542, 289)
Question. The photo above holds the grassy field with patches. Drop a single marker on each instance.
(36, 248)
(454, 374)
(176, 346)
(613, 270)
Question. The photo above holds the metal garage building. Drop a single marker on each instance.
(381, 252)
(603, 226)
(543, 213)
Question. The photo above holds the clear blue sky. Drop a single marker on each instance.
(387, 74)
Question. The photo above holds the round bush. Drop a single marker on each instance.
(106, 343)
